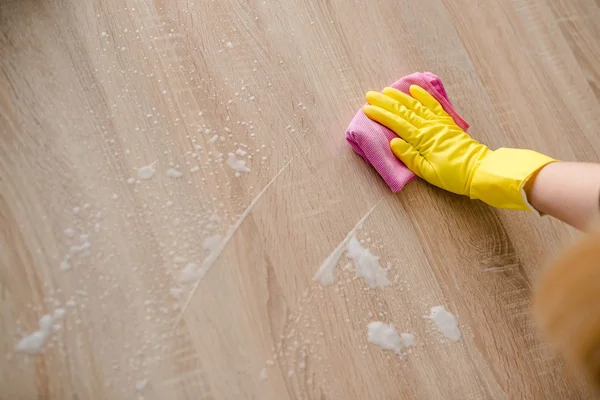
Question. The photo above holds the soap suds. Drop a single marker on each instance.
(192, 272)
(189, 273)
(58, 314)
(146, 172)
(34, 342)
(176, 292)
(65, 265)
(386, 336)
(45, 322)
(445, 322)
(325, 273)
(366, 264)
(173, 173)
(235, 164)
(83, 248)
(212, 242)
(408, 339)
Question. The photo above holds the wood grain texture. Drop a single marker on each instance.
(92, 91)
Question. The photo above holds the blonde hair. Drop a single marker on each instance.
(567, 305)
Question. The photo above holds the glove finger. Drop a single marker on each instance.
(400, 126)
(427, 100)
(393, 106)
(409, 102)
(406, 153)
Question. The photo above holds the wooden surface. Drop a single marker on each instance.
(92, 91)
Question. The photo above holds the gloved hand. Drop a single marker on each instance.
(432, 146)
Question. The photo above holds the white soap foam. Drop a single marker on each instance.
(34, 342)
(366, 264)
(325, 273)
(173, 173)
(146, 172)
(387, 338)
(235, 164)
(445, 322)
(212, 242)
(189, 273)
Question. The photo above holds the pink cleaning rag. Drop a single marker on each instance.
(372, 140)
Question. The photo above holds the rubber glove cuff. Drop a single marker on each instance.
(500, 177)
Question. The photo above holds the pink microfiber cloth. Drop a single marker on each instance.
(372, 140)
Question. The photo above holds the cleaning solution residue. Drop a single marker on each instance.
(212, 242)
(366, 264)
(385, 336)
(235, 164)
(189, 273)
(325, 273)
(146, 172)
(34, 342)
(173, 173)
(446, 323)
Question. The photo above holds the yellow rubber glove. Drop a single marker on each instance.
(436, 149)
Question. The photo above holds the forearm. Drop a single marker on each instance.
(567, 191)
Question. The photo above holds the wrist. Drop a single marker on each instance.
(567, 191)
